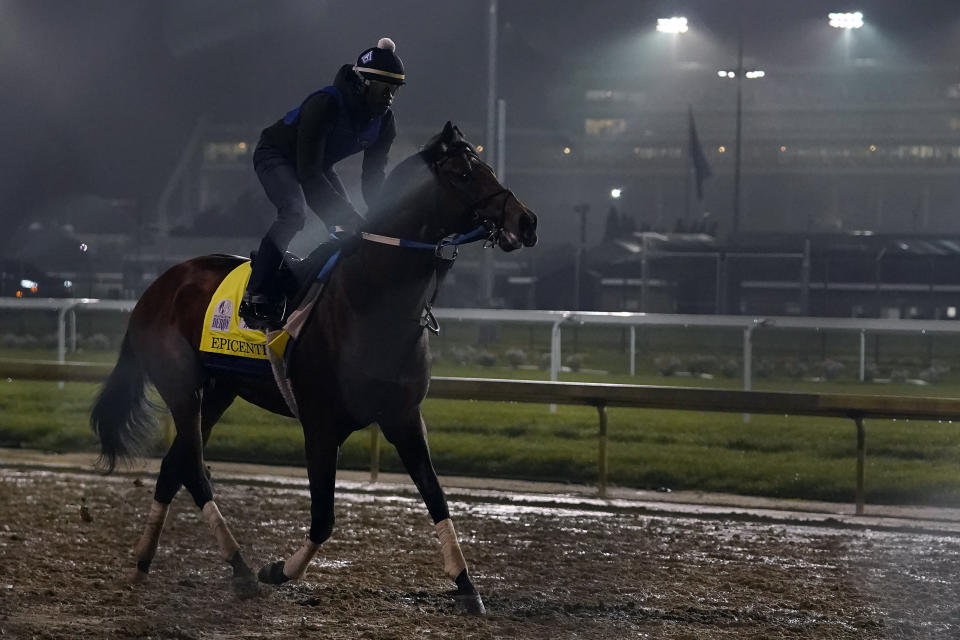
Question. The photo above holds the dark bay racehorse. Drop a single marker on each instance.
(361, 358)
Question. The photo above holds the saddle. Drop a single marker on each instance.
(228, 344)
(296, 275)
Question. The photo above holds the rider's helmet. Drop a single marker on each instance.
(381, 63)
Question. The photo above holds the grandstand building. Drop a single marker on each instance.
(849, 190)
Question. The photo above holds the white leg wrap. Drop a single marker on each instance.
(146, 547)
(218, 527)
(295, 566)
(453, 561)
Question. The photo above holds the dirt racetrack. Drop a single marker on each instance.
(546, 569)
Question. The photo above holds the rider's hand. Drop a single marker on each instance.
(347, 218)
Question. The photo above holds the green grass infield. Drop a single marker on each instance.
(767, 455)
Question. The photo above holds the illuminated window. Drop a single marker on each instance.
(655, 153)
(599, 95)
(605, 126)
(225, 151)
(607, 95)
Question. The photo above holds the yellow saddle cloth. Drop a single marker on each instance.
(226, 341)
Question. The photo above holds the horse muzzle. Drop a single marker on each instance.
(523, 234)
(528, 228)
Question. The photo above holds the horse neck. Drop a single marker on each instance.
(387, 283)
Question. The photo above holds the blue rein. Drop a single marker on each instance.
(438, 248)
(450, 241)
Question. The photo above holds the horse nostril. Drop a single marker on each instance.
(528, 222)
(528, 229)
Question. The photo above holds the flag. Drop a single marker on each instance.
(698, 158)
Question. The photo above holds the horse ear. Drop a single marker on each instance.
(449, 133)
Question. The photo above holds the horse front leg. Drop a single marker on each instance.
(322, 451)
(410, 439)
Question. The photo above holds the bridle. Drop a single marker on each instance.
(489, 229)
(493, 227)
(446, 249)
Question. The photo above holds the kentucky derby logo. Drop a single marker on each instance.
(222, 316)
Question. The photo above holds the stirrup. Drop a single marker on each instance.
(260, 313)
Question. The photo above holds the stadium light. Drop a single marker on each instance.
(753, 74)
(846, 20)
(676, 24)
(616, 193)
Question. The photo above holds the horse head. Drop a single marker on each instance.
(473, 195)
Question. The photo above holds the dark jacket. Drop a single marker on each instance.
(313, 140)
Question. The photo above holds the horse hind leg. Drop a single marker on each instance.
(146, 546)
(215, 400)
(167, 485)
(194, 414)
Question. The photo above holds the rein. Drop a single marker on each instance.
(445, 251)
(439, 249)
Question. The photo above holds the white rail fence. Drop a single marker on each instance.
(858, 328)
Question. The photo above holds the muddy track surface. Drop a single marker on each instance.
(544, 572)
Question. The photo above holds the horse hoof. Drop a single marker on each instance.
(273, 573)
(470, 603)
(245, 587)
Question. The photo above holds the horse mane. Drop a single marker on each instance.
(408, 177)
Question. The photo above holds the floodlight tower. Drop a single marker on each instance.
(676, 24)
(673, 26)
(848, 22)
(490, 147)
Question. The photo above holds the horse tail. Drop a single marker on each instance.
(122, 416)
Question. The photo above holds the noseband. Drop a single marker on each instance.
(492, 226)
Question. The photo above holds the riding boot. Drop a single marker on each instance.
(262, 304)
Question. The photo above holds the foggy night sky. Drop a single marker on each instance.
(99, 96)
